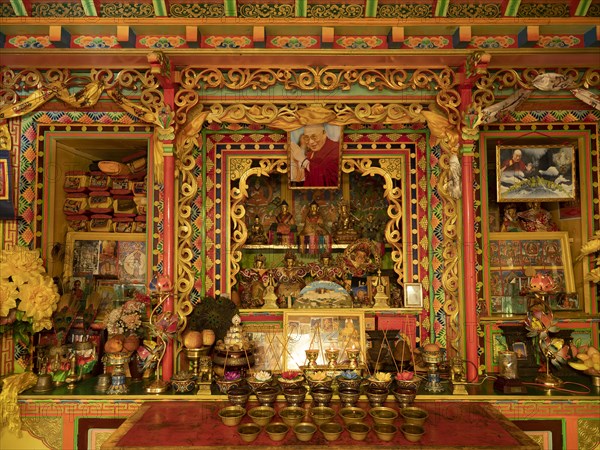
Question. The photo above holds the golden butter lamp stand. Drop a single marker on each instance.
(159, 386)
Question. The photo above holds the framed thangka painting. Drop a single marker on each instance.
(514, 258)
(528, 173)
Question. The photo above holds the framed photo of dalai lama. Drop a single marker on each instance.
(314, 156)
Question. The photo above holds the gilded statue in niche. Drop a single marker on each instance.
(253, 283)
(290, 279)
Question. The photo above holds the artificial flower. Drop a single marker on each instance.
(27, 293)
(127, 318)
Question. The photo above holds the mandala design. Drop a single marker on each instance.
(425, 42)
(96, 42)
(359, 42)
(30, 41)
(228, 41)
(294, 42)
(162, 41)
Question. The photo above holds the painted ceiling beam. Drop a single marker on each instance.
(2, 40)
(440, 8)
(591, 38)
(91, 8)
(327, 36)
(510, 8)
(258, 36)
(230, 8)
(301, 9)
(461, 37)
(371, 8)
(528, 36)
(22, 8)
(161, 8)
(59, 36)
(579, 7)
(191, 36)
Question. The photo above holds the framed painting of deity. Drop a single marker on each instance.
(514, 258)
(321, 330)
(535, 173)
(314, 156)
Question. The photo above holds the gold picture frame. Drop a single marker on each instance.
(413, 295)
(323, 329)
(512, 254)
(535, 173)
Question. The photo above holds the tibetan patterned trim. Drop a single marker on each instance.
(492, 42)
(47, 9)
(265, 11)
(404, 11)
(6, 10)
(543, 10)
(480, 11)
(588, 433)
(335, 11)
(162, 42)
(594, 10)
(96, 42)
(569, 116)
(427, 42)
(227, 42)
(360, 42)
(30, 42)
(559, 42)
(294, 42)
(198, 10)
(125, 10)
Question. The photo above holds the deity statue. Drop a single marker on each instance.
(511, 219)
(361, 258)
(257, 232)
(283, 230)
(290, 278)
(345, 232)
(314, 235)
(253, 282)
(372, 228)
(536, 218)
(326, 269)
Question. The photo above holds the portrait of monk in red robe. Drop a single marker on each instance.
(314, 157)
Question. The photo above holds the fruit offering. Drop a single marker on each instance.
(587, 358)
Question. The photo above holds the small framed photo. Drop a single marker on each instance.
(520, 350)
(535, 173)
(314, 156)
(413, 295)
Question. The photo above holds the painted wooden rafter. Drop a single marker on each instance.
(161, 8)
(230, 8)
(91, 8)
(579, 7)
(301, 8)
(440, 8)
(371, 8)
(510, 8)
(22, 8)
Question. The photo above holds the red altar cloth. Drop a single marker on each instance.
(196, 425)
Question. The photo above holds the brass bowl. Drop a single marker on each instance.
(292, 415)
(239, 395)
(326, 382)
(352, 415)
(322, 395)
(385, 431)
(224, 385)
(248, 431)
(322, 414)
(267, 396)
(411, 432)
(377, 396)
(256, 384)
(379, 384)
(261, 415)
(414, 383)
(349, 397)
(414, 416)
(232, 415)
(405, 396)
(295, 396)
(304, 431)
(349, 383)
(286, 384)
(358, 431)
(383, 414)
(277, 430)
(331, 430)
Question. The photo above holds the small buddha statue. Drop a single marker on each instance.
(257, 233)
(345, 232)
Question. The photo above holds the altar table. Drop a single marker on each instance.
(195, 425)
